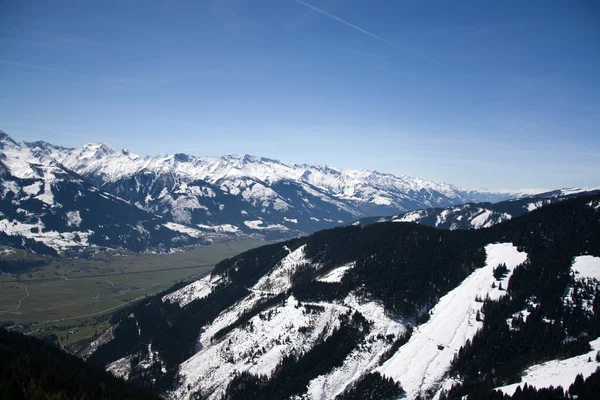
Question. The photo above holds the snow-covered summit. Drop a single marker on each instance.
(287, 197)
(46, 207)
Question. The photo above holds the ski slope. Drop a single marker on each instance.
(421, 364)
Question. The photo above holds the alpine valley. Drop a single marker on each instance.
(57, 199)
(380, 286)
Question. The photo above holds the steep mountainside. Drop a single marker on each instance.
(252, 194)
(395, 307)
(47, 208)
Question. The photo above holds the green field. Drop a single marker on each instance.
(75, 294)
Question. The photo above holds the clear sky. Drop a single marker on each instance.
(496, 94)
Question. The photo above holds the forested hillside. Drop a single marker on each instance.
(356, 293)
(32, 369)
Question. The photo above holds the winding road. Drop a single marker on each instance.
(18, 306)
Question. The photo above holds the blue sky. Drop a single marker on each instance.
(499, 94)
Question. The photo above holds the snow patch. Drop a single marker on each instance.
(336, 274)
(194, 291)
(557, 372)
(183, 229)
(278, 280)
(258, 225)
(421, 364)
(225, 228)
(73, 218)
(586, 267)
(33, 189)
(482, 220)
(412, 216)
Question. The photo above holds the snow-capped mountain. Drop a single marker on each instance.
(482, 215)
(386, 310)
(253, 194)
(47, 208)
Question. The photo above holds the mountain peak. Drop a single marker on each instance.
(4, 137)
(96, 150)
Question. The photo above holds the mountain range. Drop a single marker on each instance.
(161, 202)
(454, 293)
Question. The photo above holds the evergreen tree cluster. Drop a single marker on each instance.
(407, 266)
(32, 369)
(372, 386)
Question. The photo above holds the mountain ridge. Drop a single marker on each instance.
(266, 189)
(48, 208)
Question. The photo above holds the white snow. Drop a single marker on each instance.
(183, 229)
(73, 218)
(535, 205)
(382, 201)
(120, 368)
(57, 240)
(252, 178)
(278, 280)
(225, 228)
(412, 216)
(441, 218)
(482, 220)
(586, 267)
(47, 196)
(583, 268)
(10, 186)
(257, 347)
(558, 372)
(194, 291)
(578, 190)
(336, 274)
(33, 189)
(364, 357)
(420, 365)
(258, 225)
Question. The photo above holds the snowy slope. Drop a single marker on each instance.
(336, 274)
(558, 372)
(194, 291)
(384, 330)
(283, 302)
(421, 364)
(287, 328)
(257, 347)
